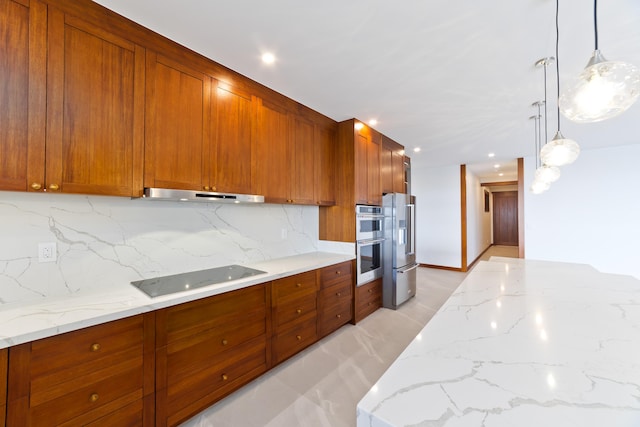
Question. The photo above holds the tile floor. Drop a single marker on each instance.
(322, 385)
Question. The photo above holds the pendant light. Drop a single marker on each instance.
(544, 172)
(559, 151)
(538, 185)
(603, 90)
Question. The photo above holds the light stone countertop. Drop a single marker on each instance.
(24, 322)
(520, 343)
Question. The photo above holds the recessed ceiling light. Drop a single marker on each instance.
(416, 150)
(500, 174)
(492, 154)
(358, 126)
(268, 58)
(496, 166)
(373, 122)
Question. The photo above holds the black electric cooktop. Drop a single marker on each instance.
(196, 279)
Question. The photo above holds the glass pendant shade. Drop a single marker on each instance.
(559, 151)
(547, 173)
(538, 187)
(603, 90)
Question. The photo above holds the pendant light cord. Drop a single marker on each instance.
(558, 63)
(595, 20)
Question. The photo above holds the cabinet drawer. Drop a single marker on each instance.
(293, 340)
(335, 273)
(187, 384)
(336, 294)
(195, 317)
(89, 401)
(130, 416)
(334, 317)
(292, 287)
(90, 345)
(295, 310)
(368, 299)
(3, 384)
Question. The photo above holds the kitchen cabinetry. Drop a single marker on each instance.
(177, 140)
(23, 28)
(294, 305)
(392, 177)
(325, 165)
(96, 376)
(368, 298)
(232, 127)
(367, 166)
(94, 110)
(208, 348)
(335, 297)
(3, 386)
(302, 162)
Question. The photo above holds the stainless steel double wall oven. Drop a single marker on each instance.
(369, 239)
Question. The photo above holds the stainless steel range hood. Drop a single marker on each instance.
(199, 196)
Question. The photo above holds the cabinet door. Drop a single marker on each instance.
(398, 171)
(94, 109)
(386, 169)
(392, 166)
(271, 147)
(233, 118)
(374, 196)
(22, 94)
(302, 164)
(178, 112)
(325, 166)
(361, 167)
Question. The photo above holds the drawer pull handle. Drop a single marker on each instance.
(36, 186)
(206, 188)
(298, 285)
(338, 272)
(338, 294)
(370, 290)
(298, 311)
(224, 377)
(225, 342)
(298, 337)
(95, 347)
(54, 187)
(368, 303)
(94, 397)
(338, 315)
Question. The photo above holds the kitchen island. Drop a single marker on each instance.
(520, 343)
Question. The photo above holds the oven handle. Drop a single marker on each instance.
(369, 242)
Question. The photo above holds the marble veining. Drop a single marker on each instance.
(102, 241)
(520, 343)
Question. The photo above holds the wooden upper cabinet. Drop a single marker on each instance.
(22, 94)
(271, 153)
(95, 85)
(367, 144)
(392, 166)
(231, 156)
(325, 165)
(302, 148)
(178, 113)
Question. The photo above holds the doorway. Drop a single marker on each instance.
(505, 218)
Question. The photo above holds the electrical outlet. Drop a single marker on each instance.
(47, 252)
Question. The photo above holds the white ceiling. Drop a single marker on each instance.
(454, 77)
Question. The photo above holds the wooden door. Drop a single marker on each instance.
(271, 147)
(362, 141)
(505, 218)
(233, 119)
(178, 118)
(23, 36)
(386, 167)
(325, 165)
(302, 165)
(398, 170)
(94, 110)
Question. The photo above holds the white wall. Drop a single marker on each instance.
(103, 240)
(437, 192)
(478, 221)
(591, 215)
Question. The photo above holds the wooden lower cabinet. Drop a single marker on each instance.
(94, 376)
(3, 386)
(294, 308)
(208, 348)
(335, 297)
(368, 298)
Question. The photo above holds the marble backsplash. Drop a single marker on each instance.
(105, 240)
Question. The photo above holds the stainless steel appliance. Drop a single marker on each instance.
(369, 239)
(199, 196)
(399, 278)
